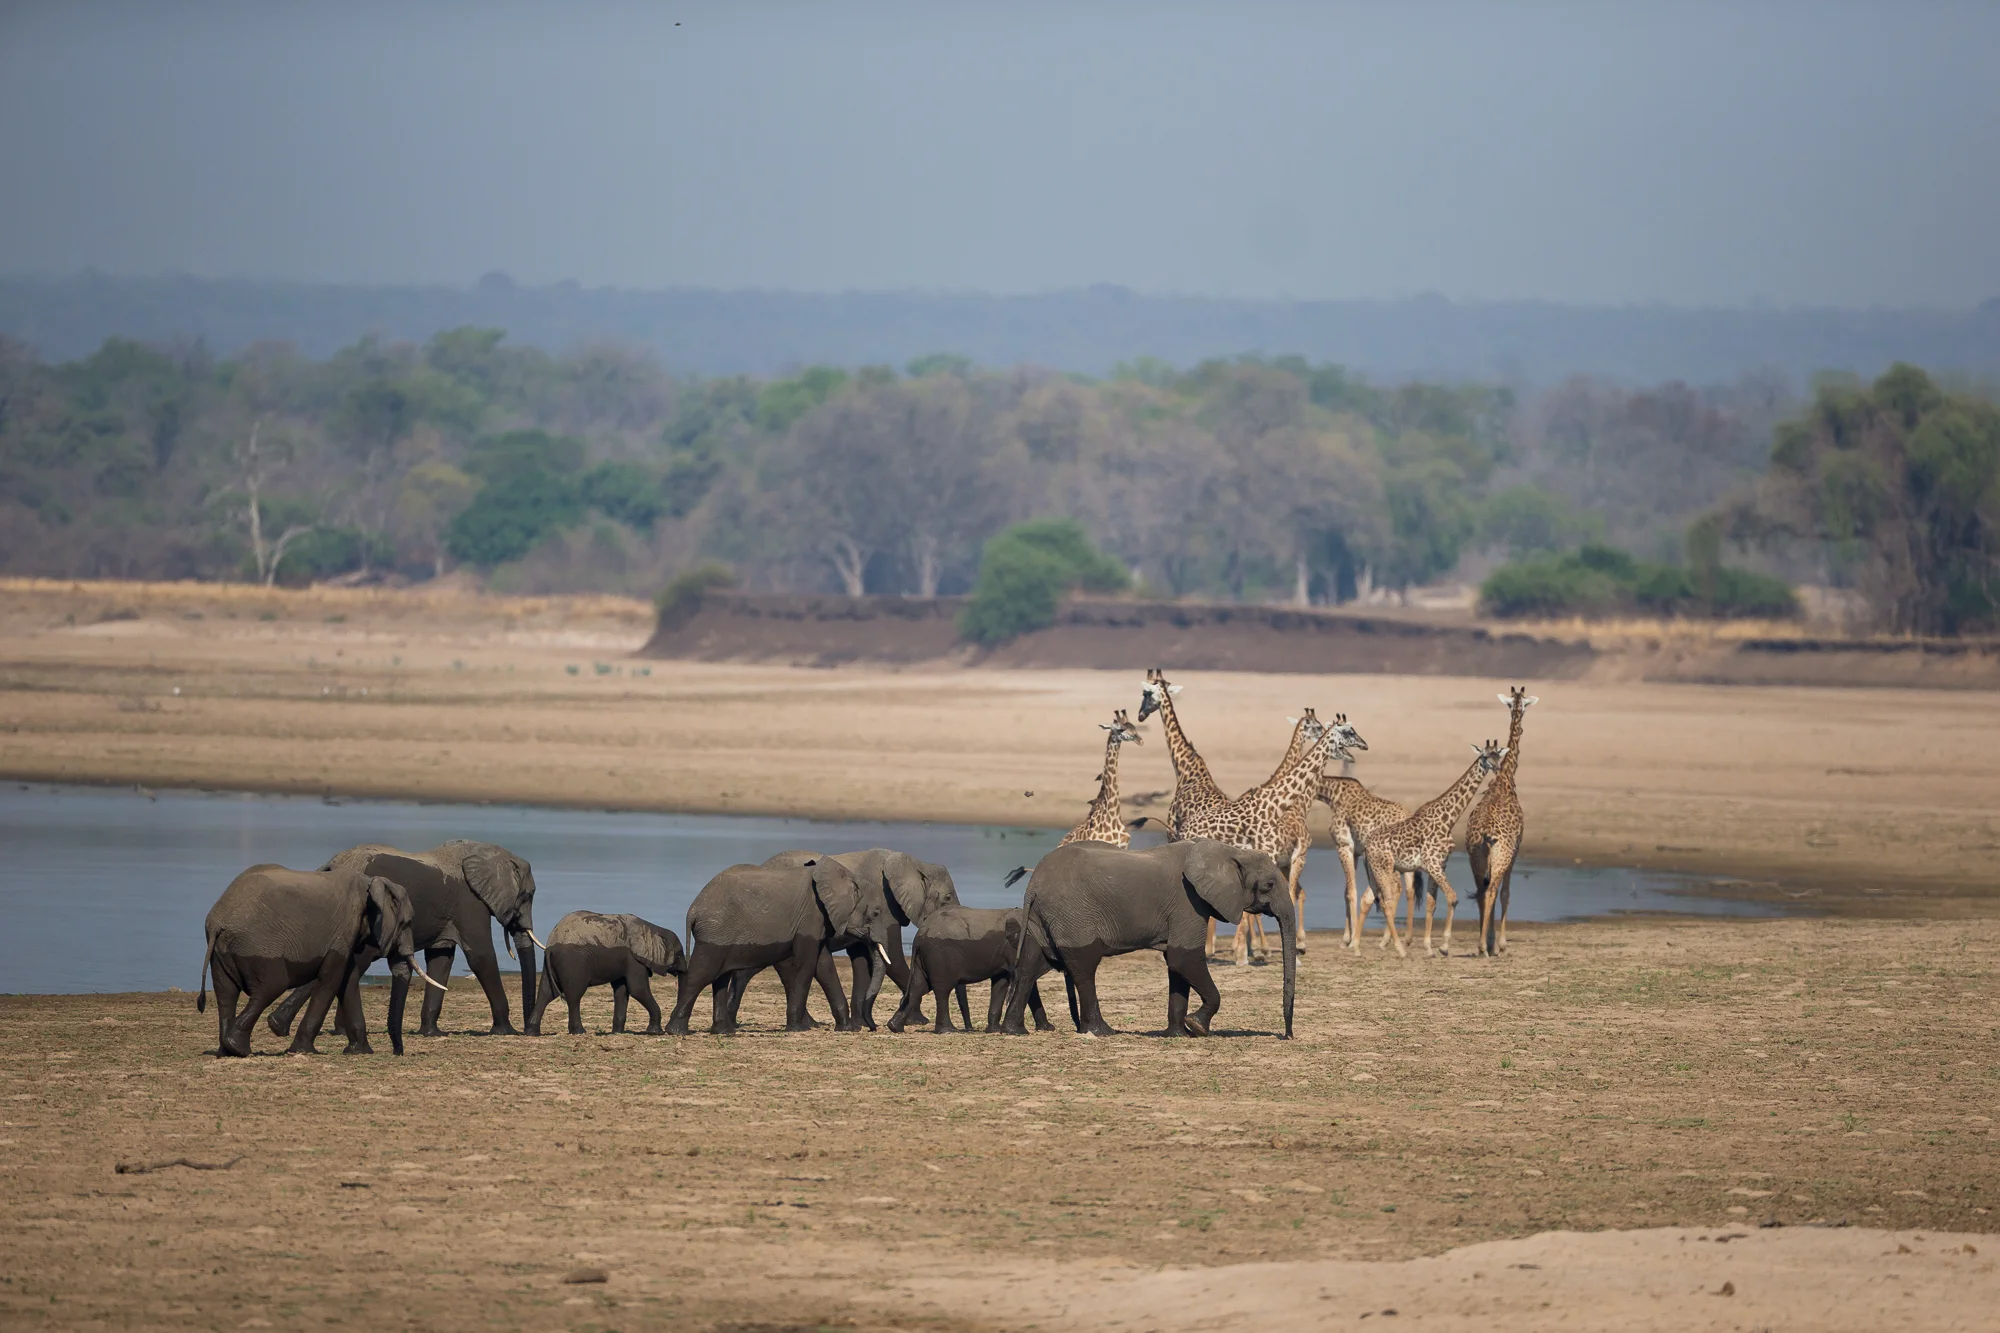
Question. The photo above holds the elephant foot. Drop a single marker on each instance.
(429, 1030)
(1043, 1025)
(533, 1030)
(725, 1030)
(358, 1048)
(1013, 1030)
(502, 1029)
(1196, 1025)
(896, 1025)
(677, 1028)
(302, 1048)
(576, 1029)
(652, 1029)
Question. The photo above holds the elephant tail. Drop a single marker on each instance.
(201, 983)
(1014, 876)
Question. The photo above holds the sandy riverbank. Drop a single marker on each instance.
(1846, 797)
(1433, 1142)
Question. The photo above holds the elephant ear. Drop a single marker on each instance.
(938, 884)
(498, 880)
(657, 949)
(907, 887)
(387, 913)
(839, 897)
(1215, 874)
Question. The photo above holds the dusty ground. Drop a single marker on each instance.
(1868, 800)
(1404, 1153)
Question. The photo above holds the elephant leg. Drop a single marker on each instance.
(866, 973)
(485, 965)
(703, 968)
(829, 985)
(1033, 965)
(1082, 965)
(942, 988)
(732, 995)
(809, 962)
(1069, 990)
(912, 1002)
(282, 1014)
(1042, 1023)
(349, 1019)
(964, 1008)
(227, 993)
(531, 1019)
(1194, 967)
(1177, 1000)
(621, 995)
(260, 986)
(574, 1000)
(996, 1004)
(784, 970)
(437, 962)
(332, 976)
(640, 984)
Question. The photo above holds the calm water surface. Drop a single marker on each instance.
(134, 875)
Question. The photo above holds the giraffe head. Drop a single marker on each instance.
(1517, 700)
(1122, 730)
(1490, 755)
(1155, 693)
(1347, 739)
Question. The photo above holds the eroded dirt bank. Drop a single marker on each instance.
(1603, 1078)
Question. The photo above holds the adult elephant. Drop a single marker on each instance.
(783, 916)
(457, 892)
(318, 930)
(900, 891)
(1087, 901)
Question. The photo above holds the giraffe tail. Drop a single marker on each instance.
(1015, 876)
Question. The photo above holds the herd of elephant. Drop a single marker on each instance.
(313, 933)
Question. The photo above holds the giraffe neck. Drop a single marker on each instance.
(1297, 785)
(1505, 777)
(1451, 803)
(1293, 753)
(1107, 789)
(1190, 772)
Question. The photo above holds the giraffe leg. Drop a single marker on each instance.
(1450, 907)
(1385, 876)
(1208, 946)
(1350, 931)
(1239, 952)
(1298, 896)
(1506, 892)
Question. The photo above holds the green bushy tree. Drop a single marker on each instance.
(1024, 572)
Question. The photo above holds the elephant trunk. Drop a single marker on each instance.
(399, 991)
(525, 942)
(1288, 943)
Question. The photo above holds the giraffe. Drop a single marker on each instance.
(1195, 793)
(1422, 842)
(1262, 818)
(1103, 824)
(1357, 813)
(1493, 831)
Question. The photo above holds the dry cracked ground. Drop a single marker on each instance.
(1599, 1129)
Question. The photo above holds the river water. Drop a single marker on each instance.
(105, 889)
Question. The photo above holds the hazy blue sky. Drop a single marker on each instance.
(1816, 153)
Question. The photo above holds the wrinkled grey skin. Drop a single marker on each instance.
(319, 930)
(781, 915)
(957, 946)
(623, 952)
(1087, 901)
(457, 891)
(902, 891)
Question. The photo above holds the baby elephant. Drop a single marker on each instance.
(957, 945)
(592, 949)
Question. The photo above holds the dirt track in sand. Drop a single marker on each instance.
(1598, 1078)
(1846, 798)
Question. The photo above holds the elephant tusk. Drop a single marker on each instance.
(538, 941)
(430, 980)
(508, 941)
(884, 952)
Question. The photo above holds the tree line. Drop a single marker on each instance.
(1251, 478)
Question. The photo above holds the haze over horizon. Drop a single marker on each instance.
(1687, 154)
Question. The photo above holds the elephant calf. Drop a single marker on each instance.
(957, 946)
(273, 929)
(623, 952)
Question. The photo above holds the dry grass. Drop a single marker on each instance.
(1614, 1075)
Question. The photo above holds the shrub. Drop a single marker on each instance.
(1598, 581)
(680, 599)
(1023, 574)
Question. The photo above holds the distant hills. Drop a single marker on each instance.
(1085, 331)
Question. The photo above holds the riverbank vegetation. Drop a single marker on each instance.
(1253, 479)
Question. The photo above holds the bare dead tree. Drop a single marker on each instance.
(251, 464)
